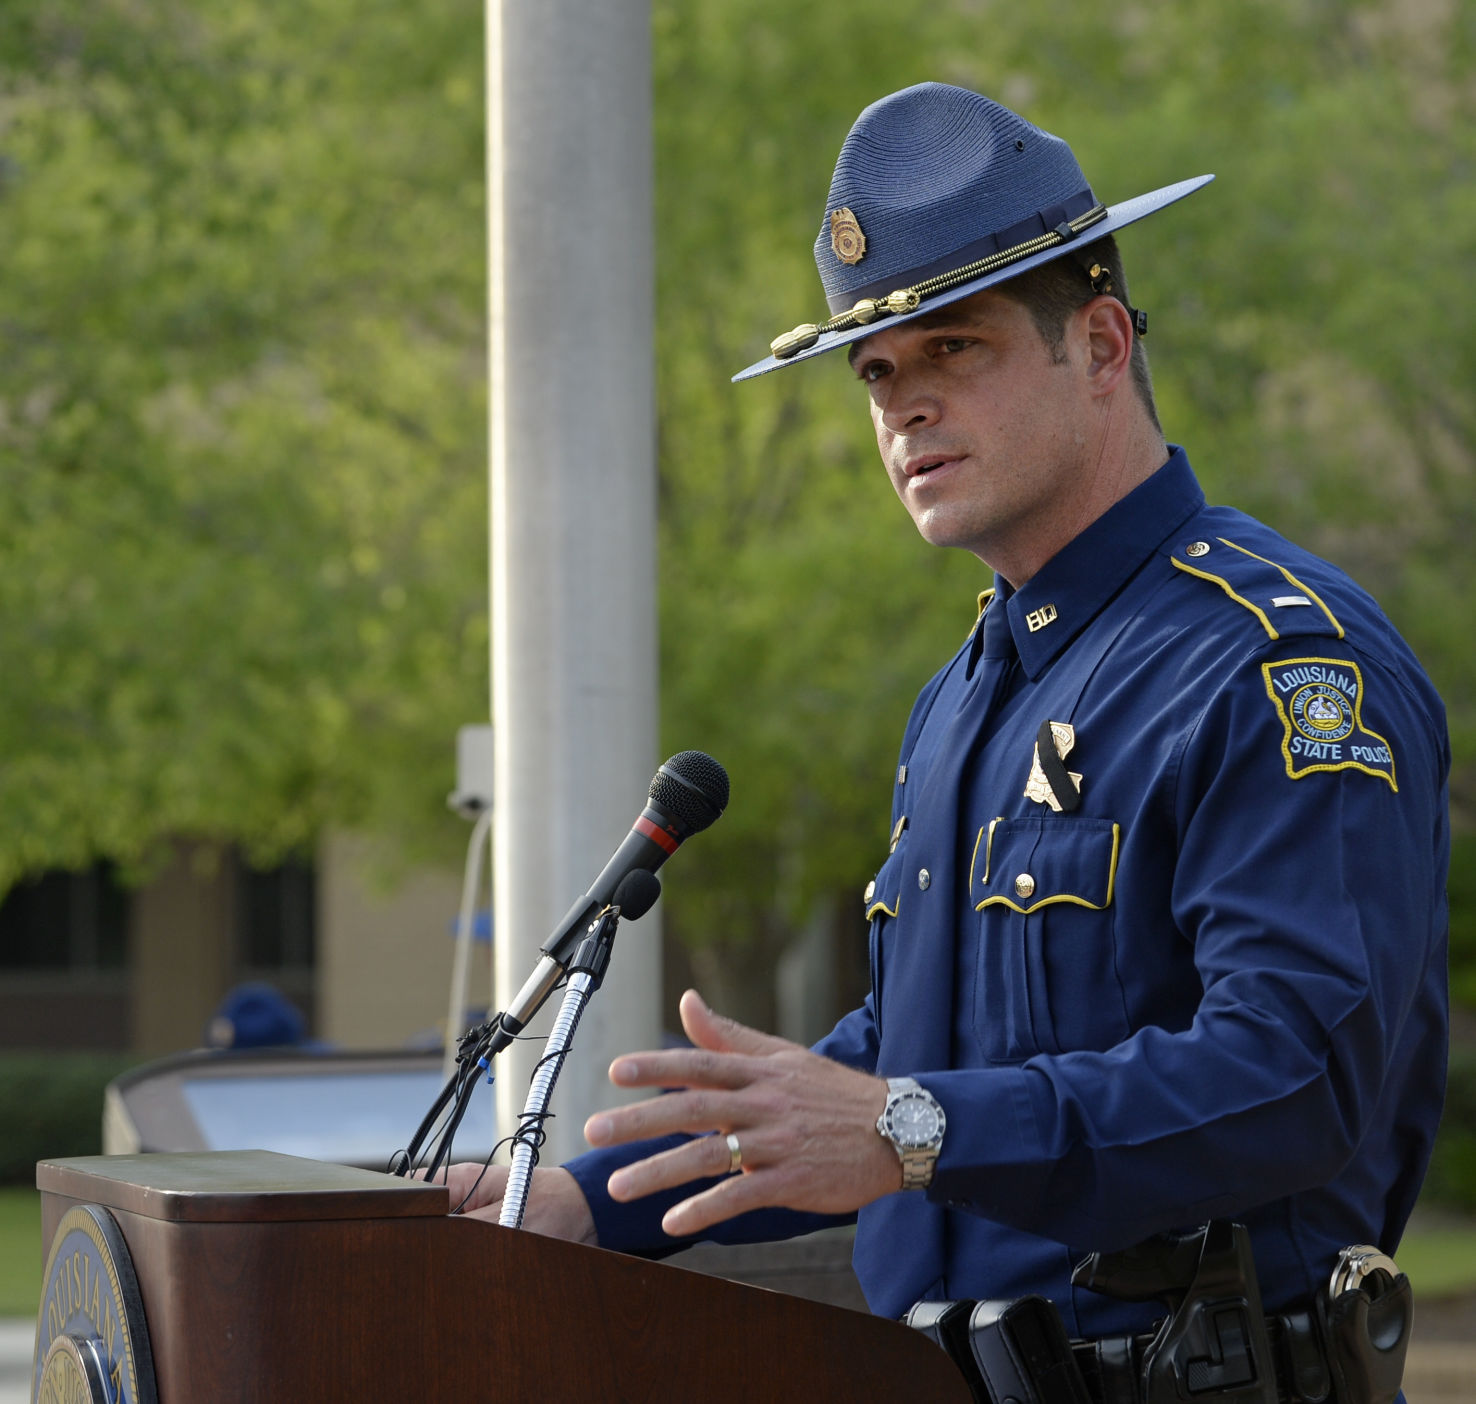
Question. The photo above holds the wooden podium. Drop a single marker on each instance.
(264, 1278)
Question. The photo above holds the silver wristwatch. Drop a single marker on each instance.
(914, 1123)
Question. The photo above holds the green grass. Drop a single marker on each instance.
(1440, 1259)
(21, 1262)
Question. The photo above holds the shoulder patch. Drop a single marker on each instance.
(1285, 607)
(1320, 703)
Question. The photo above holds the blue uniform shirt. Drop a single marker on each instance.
(1216, 987)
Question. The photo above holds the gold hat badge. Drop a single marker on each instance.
(846, 238)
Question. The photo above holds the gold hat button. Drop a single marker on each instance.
(870, 891)
(1024, 885)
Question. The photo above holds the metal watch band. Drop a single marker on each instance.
(918, 1161)
(917, 1166)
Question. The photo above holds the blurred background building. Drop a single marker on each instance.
(87, 962)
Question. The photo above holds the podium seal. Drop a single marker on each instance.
(92, 1342)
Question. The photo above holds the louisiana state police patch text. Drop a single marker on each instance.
(1320, 702)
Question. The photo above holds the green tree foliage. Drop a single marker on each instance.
(1312, 339)
(241, 441)
(242, 551)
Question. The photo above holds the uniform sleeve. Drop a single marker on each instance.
(1310, 881)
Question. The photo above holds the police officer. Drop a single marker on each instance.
(1159, 932)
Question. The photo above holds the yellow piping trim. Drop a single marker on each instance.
(1291, 580)
(1062, 897)
(1225, 586)
(1358, 725)
(876, 907)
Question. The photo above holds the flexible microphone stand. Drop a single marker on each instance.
(586, 972)
(634, 897)
(688, 793)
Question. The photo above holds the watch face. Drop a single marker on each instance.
(914, 1122)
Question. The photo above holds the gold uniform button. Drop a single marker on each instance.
(1024, 885)
(924, 877)
(1197, 548)
(870, 891)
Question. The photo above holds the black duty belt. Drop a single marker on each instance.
(1215, 1346)
(1112, 1368)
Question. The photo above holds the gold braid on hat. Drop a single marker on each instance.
(904, 300)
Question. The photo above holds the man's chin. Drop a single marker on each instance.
(948, 534)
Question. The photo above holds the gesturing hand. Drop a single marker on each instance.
(806, 1125)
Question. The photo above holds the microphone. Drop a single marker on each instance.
(688, 793)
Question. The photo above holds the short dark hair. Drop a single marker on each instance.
(1052, 292)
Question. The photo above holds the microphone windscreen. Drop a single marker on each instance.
(692, 788)
(637, 894)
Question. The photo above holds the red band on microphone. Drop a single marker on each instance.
(656, 834)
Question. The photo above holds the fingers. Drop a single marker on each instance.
(683, 1067)
(755, 1186)
(736, 1195)
(715, 1031)
(806, 1125)
(723, 1056)
(700, 1159)
(693, 1112)
(473, 1185)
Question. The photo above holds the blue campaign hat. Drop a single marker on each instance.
(938, 194)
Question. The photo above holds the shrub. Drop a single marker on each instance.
(51, 1105)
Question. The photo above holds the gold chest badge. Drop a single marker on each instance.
(1038, 787)
(846, 239)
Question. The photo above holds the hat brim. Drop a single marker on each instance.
(1117, 217)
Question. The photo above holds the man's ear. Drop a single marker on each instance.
(1108, 328)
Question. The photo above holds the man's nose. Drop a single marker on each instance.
(911, 403)
(910, 406)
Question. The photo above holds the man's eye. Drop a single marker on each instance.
(871, 371)
(956, 343)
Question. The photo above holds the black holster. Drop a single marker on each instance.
(1216, 1345)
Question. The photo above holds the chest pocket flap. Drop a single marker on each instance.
(1027, 864)
(1043, 957)
(883, 895)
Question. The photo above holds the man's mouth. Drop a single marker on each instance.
(919, 467)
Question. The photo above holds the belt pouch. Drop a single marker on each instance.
(946, 1324)
(1305, 1374)
(1367, 1338)
(1023, 1354)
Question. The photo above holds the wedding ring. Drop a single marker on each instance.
(735, 1154)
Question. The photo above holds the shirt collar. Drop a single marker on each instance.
(1072, 588)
